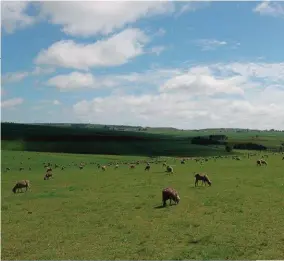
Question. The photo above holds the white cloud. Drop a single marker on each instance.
(13, 77)
(78, 80)
(199, 84)
(185, 99)
(210, 44)
(11, 103)
(108, 16)
(85, 19)
(99, 17)
(221, 78)
(191, 6)
(181, 111)
(272, 72)
(73, 80)
(270, 8)
(39, 71)
(116, 50)
(13, 15)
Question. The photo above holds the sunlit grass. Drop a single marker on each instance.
(91, 214)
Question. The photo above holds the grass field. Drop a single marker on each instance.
(153, 142)
(116, 214)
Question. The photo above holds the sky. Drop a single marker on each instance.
(188, 65)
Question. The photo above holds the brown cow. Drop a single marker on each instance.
(171, 194)
(147, 167)
(47, 175)
(20, 185)
(204, 178)
(263, 162)
(258, 163)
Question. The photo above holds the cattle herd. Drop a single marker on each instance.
(167, 193)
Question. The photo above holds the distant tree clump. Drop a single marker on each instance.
(228, 148)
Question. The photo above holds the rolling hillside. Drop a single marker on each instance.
(101, 139)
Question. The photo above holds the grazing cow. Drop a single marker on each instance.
(170, 169)
(20, 169)
(171, 194)
(103, 168)
(132, 166)
(116, 166)
(47, 175)
(147, 167)
(262, 161)
(48, 169)
(258, 163)
(20, 185)
(204, 178)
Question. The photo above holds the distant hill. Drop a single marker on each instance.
(133, 140)
(149, 129)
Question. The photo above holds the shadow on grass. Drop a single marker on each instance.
(161, 206)
(19, 192)
(203, 240)
(159, 172)
(198, 187)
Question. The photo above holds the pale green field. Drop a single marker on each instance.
(91, 214)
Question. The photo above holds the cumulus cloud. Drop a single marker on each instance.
(198, 83)
(78, 80)
(273, 72)
(211, 79)
(73, 80)
(116, 50)
(217, 95)
(13, 15)
(270, 8)
(99, 17)
(11, 103)
(13, 77)
(181, 111)
(85, 19)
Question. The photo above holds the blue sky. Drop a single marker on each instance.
(179, 64)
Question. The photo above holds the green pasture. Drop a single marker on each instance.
(117, 214)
